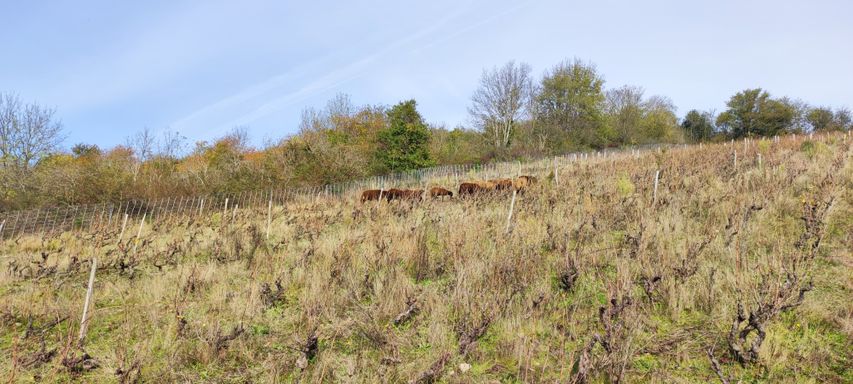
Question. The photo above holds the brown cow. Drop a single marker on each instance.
(393, 194)
(501, 184)
(473, 188)
(371, 194)
(524, 182)
(413, 194)
(405, 194)
(468, 189)
(435, 192)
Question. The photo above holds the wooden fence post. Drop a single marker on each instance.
(84, 321)
(177, 208)
(379, 200)
(15, 226)
(225, 210)
(141, 223)
(166, 208)
(139, 232)
(44, 222)
(36, 220)
(123, 226)
(511, 207)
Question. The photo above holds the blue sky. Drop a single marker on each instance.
(112, 68)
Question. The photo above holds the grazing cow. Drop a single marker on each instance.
(413, 194)
(393, 194)
(524, 182)
(501, 184)
(435, 192)
(468, 189)
(473, 188)
(487, 186)
(405, 194)
(371, 194)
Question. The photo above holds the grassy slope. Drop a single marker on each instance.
(529, 301)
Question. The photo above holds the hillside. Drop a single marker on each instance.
(738, 267)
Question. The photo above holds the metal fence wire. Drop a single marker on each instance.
(112, 214)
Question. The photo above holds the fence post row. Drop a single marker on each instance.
(88, 216)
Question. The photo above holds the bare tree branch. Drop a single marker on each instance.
(501, 101)
(28, 132)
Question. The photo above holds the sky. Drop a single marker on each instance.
(201, 68)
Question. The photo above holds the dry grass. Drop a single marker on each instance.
(595, 282)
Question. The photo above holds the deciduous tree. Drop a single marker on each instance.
(27, 132)
(753, 112)
(699, 126)
(501, 101)
(624, 110)
(824, 119)
(569, 101)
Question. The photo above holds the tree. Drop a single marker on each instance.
(227, 152)
(404, 144)
(633, 119)
(458, 146)
(699, 126)
(570, 101)
(172, 145)
(824, 119)
(27, 132)
(338, 142)
(659, 124)
(753, 113)
(501, 101)
(624, 110)
(81, 150)
(843, 119)
(142, 143)
(799, 110)
(820, 118)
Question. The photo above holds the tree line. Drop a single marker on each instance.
(513, 115)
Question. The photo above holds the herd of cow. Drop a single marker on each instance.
(465, 189)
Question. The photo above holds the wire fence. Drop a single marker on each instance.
(115, 214)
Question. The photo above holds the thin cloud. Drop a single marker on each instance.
(476, 25)
(328, 81)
